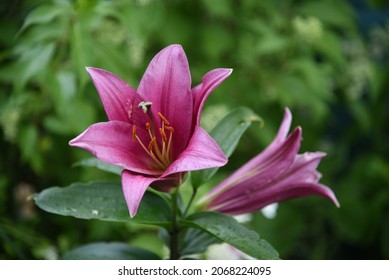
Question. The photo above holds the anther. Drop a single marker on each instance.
(170, 128)
(166, 122)
(148, 126)
(150, 147)
(133, 133)
(163, 134)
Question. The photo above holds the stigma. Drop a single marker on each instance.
(145, 106)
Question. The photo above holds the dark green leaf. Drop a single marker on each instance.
(197, 241)
(227, 134)
(230, 231)
(94, 162)
(109, 251)
(103, 201)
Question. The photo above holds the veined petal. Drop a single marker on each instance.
(167, 84)
(276, 150)
(210, 81)
(303, 168)
(284, 128)
(111, 142)
(134, 187)
(115, 94)
(202, 153)
(252, 202)
(260, 170)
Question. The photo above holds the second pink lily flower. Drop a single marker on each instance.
(276, 174)
(154, 132)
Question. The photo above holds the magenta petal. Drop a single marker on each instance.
(201, 92)
(253, 202)
(284, 128)
(111, 142)
(134, 187)
(265, 167)
(202, 153)
(276, 174)
(116, 96)
(278, 150)
(304, 168)
(167, 85)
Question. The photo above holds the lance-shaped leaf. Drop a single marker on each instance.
(230, 231)
(109, 251)
(227, 134)
(103, 201)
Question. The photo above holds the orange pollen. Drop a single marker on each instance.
(133, 133)
(159, 149)
(163, 134)
(171, 129)
(166, 122)
(150, 147)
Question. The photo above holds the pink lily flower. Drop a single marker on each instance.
(154, 132)
(276, 174)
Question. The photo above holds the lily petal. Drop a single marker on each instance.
(277, 149)
(304, 168)
(167, 85)
(276, 174)
(263, 168)
(134, 187)
(210, 81)
(202, 152)
(284, 128)
(111, 142)
(115, 94)
(253, 202)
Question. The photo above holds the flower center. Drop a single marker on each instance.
(160, 153)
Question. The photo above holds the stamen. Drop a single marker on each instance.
(158, 150)
(163, 134)
(169, 145)
(150, 147)
(171, 129)
(166, 122)
(133, 133)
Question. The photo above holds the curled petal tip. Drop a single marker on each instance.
(335, 201)
(74, 141)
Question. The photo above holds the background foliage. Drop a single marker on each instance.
(326, 60)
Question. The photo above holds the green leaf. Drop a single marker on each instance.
(336, 13)
(192, 240)
(227, 134)
(109, 251)
(41, 15)
(94, 162)
(32, 62)
(103, 201)
(230, 231)
(196, 241)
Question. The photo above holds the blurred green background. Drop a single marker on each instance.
(326, 60)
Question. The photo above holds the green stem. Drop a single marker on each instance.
(174, 233)
(190, 201)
